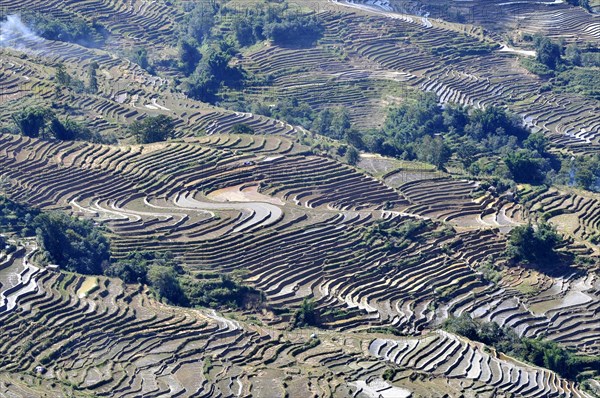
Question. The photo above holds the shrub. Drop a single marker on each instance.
(75, 245)
(153, 129)
(534, 244)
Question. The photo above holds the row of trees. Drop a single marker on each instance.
(421, 129)
(536, 351)
(65, 80)
(78, 245)
(38, 122)
(75, 245)
(41, 122)
(161, 271)
(74, 29)
(279, 24)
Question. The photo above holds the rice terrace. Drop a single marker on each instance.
(300, 198)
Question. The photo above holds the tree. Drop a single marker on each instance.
(92, 78)
(76, 245)
(164, 280)
(548, 53)
(189, 56)
(139, 55)
(433, 150)
(305, 315)
(573, 54)
(534, 244)
(60, 131)
(352, 156)
(241, 128)
(62, 76)
(526, 166)
(340, 123)
(153, 129)
(295, 30)
(32, 121)
(68, 130)
(536, 142)
(200, 20)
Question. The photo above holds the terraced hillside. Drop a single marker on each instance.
(260, 211)
(553, 18)
(357, 262)
(78, 335)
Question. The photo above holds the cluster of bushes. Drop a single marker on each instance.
(75, 245)
(65, 80)
(534, 244)
(306, 315)
(571, 68)
(539, 352)
(80, 246)
(152, 129)
(16, 218)
(74, 30)
(394, 237)
(420, 129)
(39, 122)
(206, 57)
(276, 22)
(212, 72)
(167, 278)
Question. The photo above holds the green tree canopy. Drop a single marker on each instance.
(153, 129)
(32, 121)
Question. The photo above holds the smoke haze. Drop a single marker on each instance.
(14, 33)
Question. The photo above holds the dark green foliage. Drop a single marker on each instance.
(74, 29)
(75, 245)
(189, 56)
(581, 3)
(334, 123)
(433, 150)
(62, 76)
(134, 268)
(64, 80)
(31, 122)
(536, 245)
(139, 55)
(153, 129)
(548, 53)
(394, 237)
(582, 171)
(536, 142)
(199, 20)
(539, 352)
(164, 280)
(352, 156)
(421, 129)
(389, 374)
(527, 166)
(241, 128)
(212, 72)
(305, 315)
(213, 290)
(279, 24)
(583, 81)
(17, 218)
(92, 78)
(67, 131)
(295, 30)
(413, 120)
